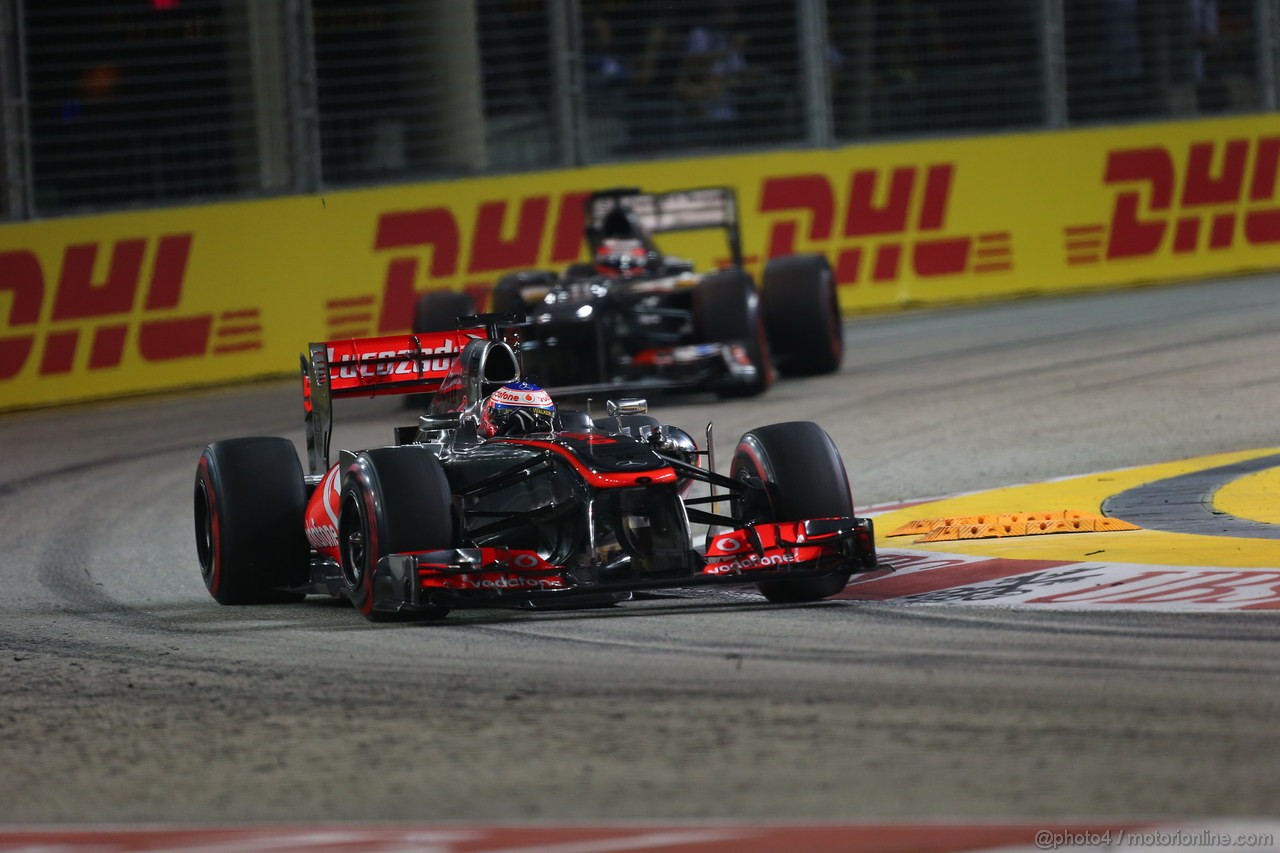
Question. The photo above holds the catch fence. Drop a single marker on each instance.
(116, 104)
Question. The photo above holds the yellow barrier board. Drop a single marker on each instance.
(124, 303)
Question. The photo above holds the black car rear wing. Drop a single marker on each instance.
(627, 212)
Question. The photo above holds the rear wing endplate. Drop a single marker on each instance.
(371, 367)
(614, 212)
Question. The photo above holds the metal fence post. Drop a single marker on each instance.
(860, 76)
(15, 156)
(567, 102)
(816, 76)
(263, 156)
(304, 111)
(1267, 22)
(1053, 62)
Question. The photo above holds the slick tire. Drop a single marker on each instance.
(580, 271)
(726, 308)
(439, 310)
(505, 297)
(802, 315)
(804, 477)
(250, 502)
(394, 499)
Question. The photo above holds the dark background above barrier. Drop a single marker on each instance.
(111, 104)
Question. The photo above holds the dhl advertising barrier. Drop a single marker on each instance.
(116, 304)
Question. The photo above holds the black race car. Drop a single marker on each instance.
(636, 321)
(586, 510)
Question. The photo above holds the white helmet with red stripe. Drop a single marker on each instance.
(517, 408)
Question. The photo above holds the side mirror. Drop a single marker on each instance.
(438, 423)
(627, 406)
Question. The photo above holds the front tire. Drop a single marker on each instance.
(726, 308)
(802, 315)
(804, 477)
(394, 499)
(250, 503)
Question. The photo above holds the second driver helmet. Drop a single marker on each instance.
(618, 258)
(517, 408)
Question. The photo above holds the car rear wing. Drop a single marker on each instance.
(372, 367)
(628, 212)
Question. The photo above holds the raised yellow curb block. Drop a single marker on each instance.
(1251, 497)
(1009, 524)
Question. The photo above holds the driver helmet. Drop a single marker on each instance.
(517, 408)
(618, 258)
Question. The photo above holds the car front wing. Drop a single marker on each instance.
(460, 577)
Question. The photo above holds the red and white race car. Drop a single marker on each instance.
(552, 507)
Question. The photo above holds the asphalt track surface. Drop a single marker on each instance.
(130, 696)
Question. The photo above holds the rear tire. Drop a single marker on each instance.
(506, 296)
(726, 308)
(580, 271)
(804, 477)
(394, 499)
(250, 503)
(802, 315)
(439, 310)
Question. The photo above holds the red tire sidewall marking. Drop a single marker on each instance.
(748, 447)
(837, 342)
(215, 526)
(364, 593)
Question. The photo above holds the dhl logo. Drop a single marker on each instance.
(879, 229)
(426, 247)
(104, 312)
(1230, 186)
